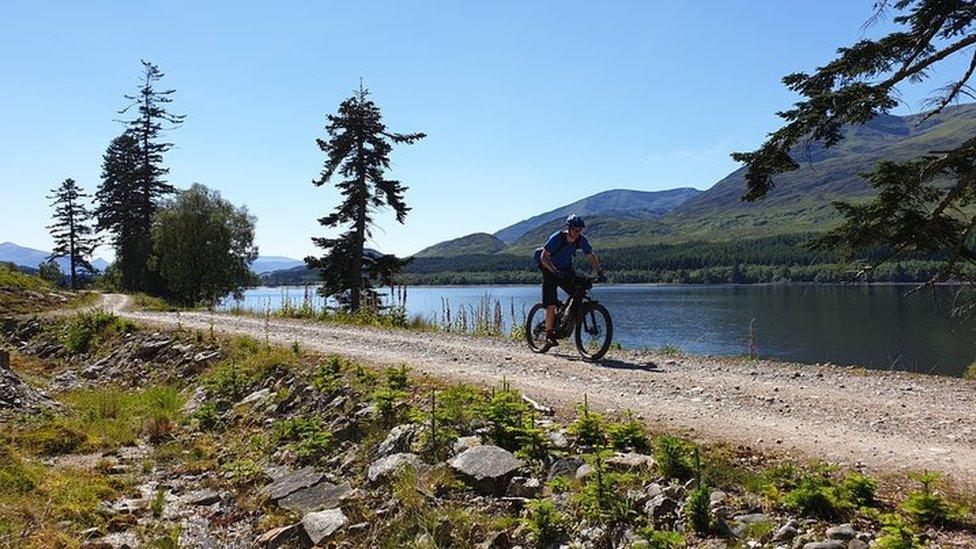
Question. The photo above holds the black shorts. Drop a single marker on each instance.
(549, 284)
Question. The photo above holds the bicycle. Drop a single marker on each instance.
(580, 315)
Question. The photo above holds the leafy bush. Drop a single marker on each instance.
(306, 437)
(895, 534)
(603, 498)
(546, 525)
(659, 539)
(396, 378)
(233, 378)
(861, 489)
(628, 435)
(504, 413)
(696, 509)
(87, 328)
(589, 428)
(674, 458)
(818, 495)
(327, 378)
(928, 507)
(206, 417)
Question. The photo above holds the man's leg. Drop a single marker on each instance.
(550, 317)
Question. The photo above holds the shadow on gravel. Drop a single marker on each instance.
(616, 364)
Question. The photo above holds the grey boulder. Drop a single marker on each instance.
(486, 468)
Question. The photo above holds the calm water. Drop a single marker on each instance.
(876, 327)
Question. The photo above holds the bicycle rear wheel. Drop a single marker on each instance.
(594, 331)
(535, 329)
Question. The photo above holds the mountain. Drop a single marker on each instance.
(477, 243)
(621, 203)
(268, 263)
(29, 257)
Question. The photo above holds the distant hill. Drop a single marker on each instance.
(477, 243)
(29, 257)
(620, 203)
(268, 263)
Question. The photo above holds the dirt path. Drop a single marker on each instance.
(885, 421)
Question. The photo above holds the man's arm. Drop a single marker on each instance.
(595, 262)
(547, 262)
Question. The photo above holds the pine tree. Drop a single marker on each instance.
(147, 128)
(922, 204)
(358, 149)
(71, 230)
(118, 198)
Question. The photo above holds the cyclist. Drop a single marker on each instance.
(556, 260)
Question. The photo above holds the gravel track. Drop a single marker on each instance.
(881, 421)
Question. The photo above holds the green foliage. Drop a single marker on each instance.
(861, 489)
(895, 534)
(603, 497)
(659, 539)
(818, 494)
(87, 328)
(239, 374)
(505, 412)
(628, 435)
(396, 378)
(327, 377)
(460, 407)
(71, 231)
(589, 428)
(15, 475)
(203, 246)
(696, 509)
(306, 437)
(158, 503)
(146, 302)
(970, 372)
(545, 524)
(674, 457)
(926, 506)
(534, 443)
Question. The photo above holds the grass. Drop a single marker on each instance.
(970, 372)
(146, 302)
(14, 279)
(248, 363)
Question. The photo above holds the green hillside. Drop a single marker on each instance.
(477, 243)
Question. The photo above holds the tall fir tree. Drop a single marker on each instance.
(147, 127)
(117, 210)
(924, 204)
(358, 149)
(71, 230)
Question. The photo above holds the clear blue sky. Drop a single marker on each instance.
(528, 105)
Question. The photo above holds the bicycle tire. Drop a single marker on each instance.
(532, 327)
(607, 332)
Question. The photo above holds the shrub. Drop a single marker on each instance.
(603, 498)
(818, 495)
(54, 437)
(970, 372)
(306, 437)
(696, 509)
(659, 539)
(233, 378)
(861, 489)
(673, 457)
(327, 378)
(163, 410)
(628, 435)
(86, 328)
(14, 475)
(396, 378)
(504, 413)
(926, 506)
(589, 428)
(546, 525)
(895, 534)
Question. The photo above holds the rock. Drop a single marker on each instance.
(256, 396)
(751, 518)
(857, 544)
(383, 468)
(584, 471)
(195, 401)
(279, 536)
(564, 467)
(204, 356)
(465, 443)
(788, 531)
(842, 532)
(497, 540)
(630, 462)
(443, 532)
(291, 482)
(558, 440)
(320, 525)
(544, 410)
(4, 359)
(486, 468)
(202, 497)
(661, 507)
(717, 498)
(150, 348)
(398, 440)
(323, 495)
(829, 544)
(524, 487)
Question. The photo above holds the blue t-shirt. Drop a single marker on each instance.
(563, 258)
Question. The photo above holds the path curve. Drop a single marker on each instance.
(881, 421)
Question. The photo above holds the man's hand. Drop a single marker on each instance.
(558, 274)
(600, 276)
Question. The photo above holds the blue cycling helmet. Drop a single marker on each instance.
(574, 221)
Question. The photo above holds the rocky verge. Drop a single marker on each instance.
(199, 441)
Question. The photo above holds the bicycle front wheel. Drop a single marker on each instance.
(594, 331)
(535, 329)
